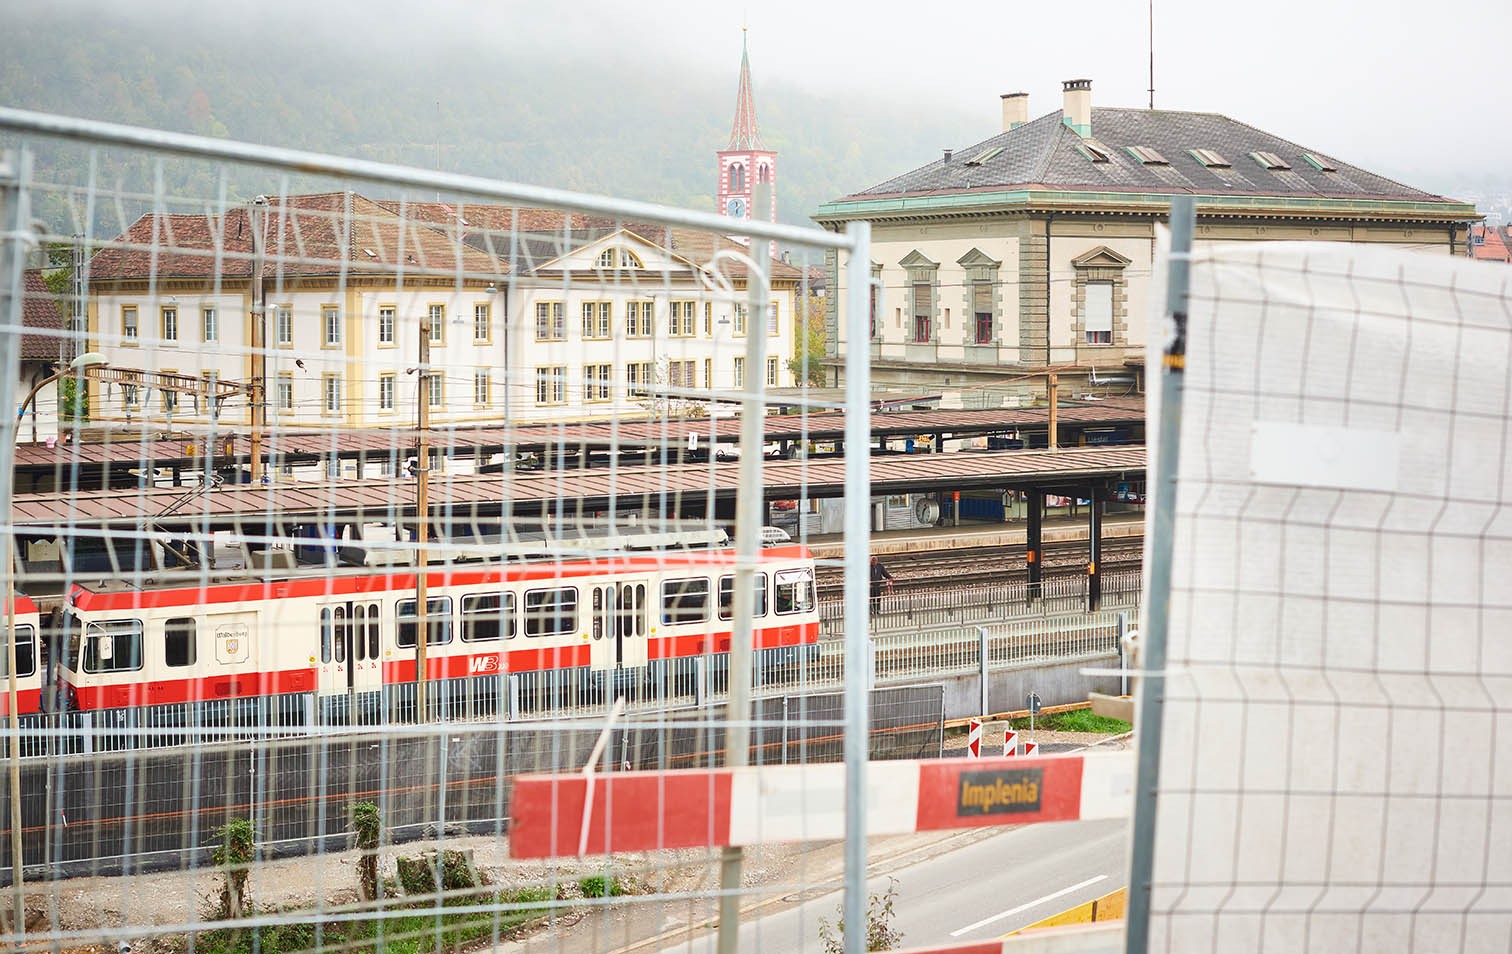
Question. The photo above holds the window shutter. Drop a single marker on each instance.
(1097, 315)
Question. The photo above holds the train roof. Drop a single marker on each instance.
(122, 595)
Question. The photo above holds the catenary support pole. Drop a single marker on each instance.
(748, 520)
(857, 551)
(1094, 548)
(422, 515)
(1152, 637)
(1034, 553)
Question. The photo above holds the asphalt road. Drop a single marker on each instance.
(980, 890)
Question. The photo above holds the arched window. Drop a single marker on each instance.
(737, 177)
(762, 173)
(627, 258)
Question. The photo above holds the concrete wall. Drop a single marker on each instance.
(1058, 683)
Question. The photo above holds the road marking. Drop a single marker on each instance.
(1024, 907)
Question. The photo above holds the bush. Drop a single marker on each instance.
(419, 875)
(233, 854)
(367, 829)
(601, 886)
(880, 934)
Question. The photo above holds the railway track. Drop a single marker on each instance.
(988, 564)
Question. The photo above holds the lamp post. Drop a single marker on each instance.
(88, 359)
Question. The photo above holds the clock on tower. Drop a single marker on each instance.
(735, 208)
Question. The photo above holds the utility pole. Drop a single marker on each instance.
(1052, 386)
(422, 514)
(258, 405)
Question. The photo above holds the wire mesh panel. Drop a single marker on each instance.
(1334, 764)
(340, 495)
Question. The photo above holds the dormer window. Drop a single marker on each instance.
(627, 258)
(1093, 150)
(1270, 161)
(1147, 155)
(1209, 158)
(1319, 163)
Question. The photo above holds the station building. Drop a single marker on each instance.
(1032, 249)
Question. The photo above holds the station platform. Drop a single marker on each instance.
(977, 533)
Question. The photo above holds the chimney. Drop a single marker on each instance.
(1077, 110)
(947, 155)
(1015, 110)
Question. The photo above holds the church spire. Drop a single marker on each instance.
(743, 134)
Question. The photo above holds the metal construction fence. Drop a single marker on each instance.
(266, 481)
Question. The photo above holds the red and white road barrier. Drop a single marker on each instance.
(696, 808)
(974, 739)
(1010, 744)
(1031, 750)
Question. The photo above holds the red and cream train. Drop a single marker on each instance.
(327, 634)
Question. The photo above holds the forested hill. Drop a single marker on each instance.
(646, 132)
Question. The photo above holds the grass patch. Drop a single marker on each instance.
(401, 930)
(1077, 720)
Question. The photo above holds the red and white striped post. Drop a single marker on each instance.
(1031, 750)
(974, 739)
(1010, 743)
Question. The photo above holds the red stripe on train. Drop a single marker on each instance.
(207, 689)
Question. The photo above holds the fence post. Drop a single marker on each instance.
(982, 658)
(1123, 665)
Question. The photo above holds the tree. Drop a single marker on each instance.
(367, 828)
(233, 855)
(880, 934)
(73, 401)
(808, 344)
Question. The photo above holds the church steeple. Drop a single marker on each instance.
(743, 134)
(747, 171)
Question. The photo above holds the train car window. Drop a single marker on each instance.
(598, 613)
(26, 654)
(179, 647)
(343, 634)
(795, 591)
(727, 596)
(490, 616)
(685, 601)
(115, 646)
(372, 632)
(437, 622)
(551, 612)
(359, 632)
(325, 634)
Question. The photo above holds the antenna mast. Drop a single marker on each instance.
(1152, 54)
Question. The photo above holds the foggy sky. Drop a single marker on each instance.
(1406, 89)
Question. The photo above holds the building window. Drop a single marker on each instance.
(597, 382)
(385, 392)
(129, 322)
(709, 373)
(639, 377)
(170, 323)
(283, 322)
(209, 323)
(331, 389)
(681, 319)
(627, 258)
(740, 316)
(740, 372)
(596, 319)
(682, 374)
(551, 385)
(737, 177)
(772, 327)
(771, 377)
(981, 295)
(551, 321)
(708, 319)
(330, 324)
(923, 276)
(170, 400)
(285, 391)
(435, 386)
(386, 324)
(1097, 312)
(1099, 297)
(480, 387)
(639, 322)
(482, 322)
(437, 316)
(875, 298)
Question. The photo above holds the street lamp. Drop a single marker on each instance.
(85, 360)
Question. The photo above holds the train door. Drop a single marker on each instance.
(619, 628)
(349, 647)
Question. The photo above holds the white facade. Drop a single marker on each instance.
(526, 350)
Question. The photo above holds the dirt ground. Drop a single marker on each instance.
(151, 912)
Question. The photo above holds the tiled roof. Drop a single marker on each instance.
(1045, 154)
(308, 235)
(545, 234)
(1491, 243)
(43, 310)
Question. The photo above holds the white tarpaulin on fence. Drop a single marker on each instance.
(1336, 771)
